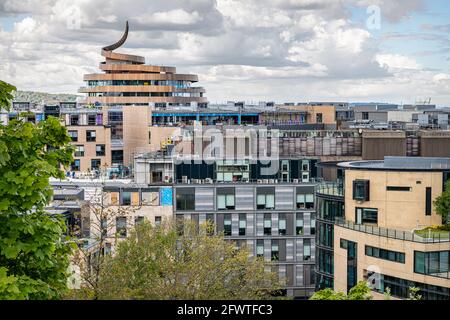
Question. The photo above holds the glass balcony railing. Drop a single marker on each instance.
(331, 189)
(393, 234)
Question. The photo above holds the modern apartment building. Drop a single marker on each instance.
(368, 228)
(273, 217)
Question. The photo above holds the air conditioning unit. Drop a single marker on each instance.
(259, 181)
(184, 179)
(194, 181)
(265, 180)
(208, 180)
(295, 180)
(271, 181)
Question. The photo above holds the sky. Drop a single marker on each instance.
(243, 50)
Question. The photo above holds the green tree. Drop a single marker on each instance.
(442, 203)
(160, 263)
(359, 292)
(33, 254)
(6, 94)
(414, 293)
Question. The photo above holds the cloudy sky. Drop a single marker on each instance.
(272, 50)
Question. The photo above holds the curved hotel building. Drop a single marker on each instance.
(127, 80)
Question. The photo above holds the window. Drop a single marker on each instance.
(242, 224)
(227, 224)
(284, 165)
(436, 263)
(100, 150)
(428, 201)
(73, 135)
(343, 244)
(121, 226)
(158, 220)
(282, 225)
(95, 164)
(361, 190)
(260, 248)
(299, 224)
(265, 201)
(91, 135)
(74, 120)
(313, 224)
(138, 220)
(275, 255)
(305, 165)
(126, 198)
(185, 199)
(76, 165)
(305, 201)
(267, 224)
(365, 116)
(394, 188)
(366, 215)
(225, 201)
(92, 119)
(79, 151)
(385, 254)
(319, 118)
(306, 249)
(150, 198)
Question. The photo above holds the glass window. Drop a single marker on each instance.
(73, 135)
(79, 151)
(95, 164)
(267, 225)
(150, 198)
(306, 249)
(366, 215)
(299, 224)
(275, 251)
(313, 224)
(282, 226)
(227, 225)
(76, 165)
(185, 199)
(260, 248)
(121, 226)
(361, 190)
(126, 198)
(138, 220)
(90, 135)
(100, 150)
(225, 201)
(242, 224)
(158, 220)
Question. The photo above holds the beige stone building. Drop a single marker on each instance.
(387, 203)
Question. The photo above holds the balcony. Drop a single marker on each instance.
(393, 234)
(335, 189)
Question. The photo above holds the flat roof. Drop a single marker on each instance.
(400, 164)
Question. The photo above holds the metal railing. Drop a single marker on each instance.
(392, 233)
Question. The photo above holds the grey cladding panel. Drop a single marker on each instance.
(244, 198)
(284, 198)
(204, 199)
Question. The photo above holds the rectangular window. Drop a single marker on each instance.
(225, 202)
(306, 249)
(275, 255)
(100, 150)
(260, 248)
(267, 224)
(158, 220)
(384, 254)
(126, 198)
(79, 151)
(95, 164)
(74, 120)
(185, 199)
(242, 224)
(92, 119)
(265, 201)
(428, 201)
(436, 263)
(104, 226)
(227, 224)
(138, 220)
(361, 190)
(366, 216)
(313, 224)
(121, 226)
(299, 224)
(76, 165)
(393, 188)
(91, 135)
(73, 135)
(282, 225)
(319, 118)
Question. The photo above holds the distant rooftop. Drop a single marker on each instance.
(400, 164)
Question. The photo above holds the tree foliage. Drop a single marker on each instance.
(6, 94)
(442, 202)
(159, 263)
(359, 292)
(33, 256)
